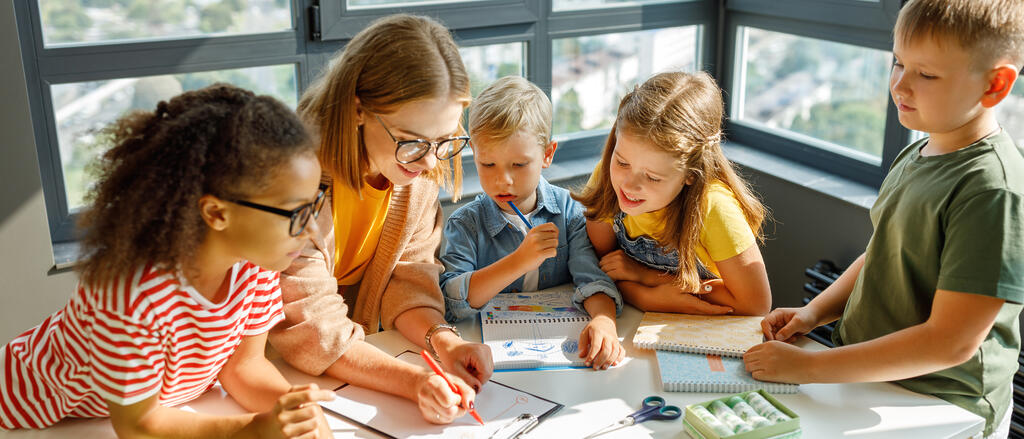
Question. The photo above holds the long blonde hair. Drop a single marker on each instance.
(396, 60)
(680, 113)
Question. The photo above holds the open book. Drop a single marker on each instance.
(537, 330)
(716, 335)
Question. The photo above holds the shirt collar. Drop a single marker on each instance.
(495, 221)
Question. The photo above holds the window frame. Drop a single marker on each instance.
(109, 60)
(823, 20)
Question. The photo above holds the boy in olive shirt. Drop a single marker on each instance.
(933, 303)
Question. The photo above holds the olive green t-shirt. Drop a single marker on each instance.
(953, 222)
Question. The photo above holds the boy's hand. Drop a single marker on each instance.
(784, 324)
(779, 362)
(541, 242)
(599, 343)
(437, 403)
(619, 266)
(297, 414)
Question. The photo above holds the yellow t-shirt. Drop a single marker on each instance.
(726, 232)
(357, 227)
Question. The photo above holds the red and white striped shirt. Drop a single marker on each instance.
(128, 341)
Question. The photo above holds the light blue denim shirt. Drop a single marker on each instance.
(477, 235)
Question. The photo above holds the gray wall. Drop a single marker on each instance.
(808, 226)
(27, 293)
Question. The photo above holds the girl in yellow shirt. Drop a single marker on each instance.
(672, 222)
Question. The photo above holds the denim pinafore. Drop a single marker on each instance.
(646, 250)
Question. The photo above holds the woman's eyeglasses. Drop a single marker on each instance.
(409, 151)
(299, 216)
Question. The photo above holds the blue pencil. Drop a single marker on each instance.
(521, 216)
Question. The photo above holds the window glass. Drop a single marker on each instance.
(488, 63)
(71, 22)
(562, 5)
(590, 74)
(81, 109)
(368, 4)
(1010, 113)
(835, 93)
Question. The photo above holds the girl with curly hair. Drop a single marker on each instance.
(196, 203)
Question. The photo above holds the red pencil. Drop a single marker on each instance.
(437, 370)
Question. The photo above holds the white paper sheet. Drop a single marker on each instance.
(398, 417)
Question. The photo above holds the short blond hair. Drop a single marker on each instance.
(989, 30)
(507, 106)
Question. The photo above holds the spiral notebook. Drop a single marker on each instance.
(717, 335)
(686, 372)
(530, 331)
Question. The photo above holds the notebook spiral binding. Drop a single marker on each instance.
(531, 321)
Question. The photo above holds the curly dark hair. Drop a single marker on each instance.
(220, 140)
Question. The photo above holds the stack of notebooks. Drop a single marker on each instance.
(703, 353)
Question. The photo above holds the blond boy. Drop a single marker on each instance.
(933, 303)
(490, 249)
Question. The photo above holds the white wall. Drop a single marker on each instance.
(27, 292)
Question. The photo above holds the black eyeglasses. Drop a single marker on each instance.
(409, 151)
(299, 216)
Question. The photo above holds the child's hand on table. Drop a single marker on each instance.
(541, 243)
(779, 362)
(784, 324)
(296, 414)
(599, 343)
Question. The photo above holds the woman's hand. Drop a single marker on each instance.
(437, 402)
(469, 361)
(599, 343)
(296, 415)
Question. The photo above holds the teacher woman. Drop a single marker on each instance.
(387, 115)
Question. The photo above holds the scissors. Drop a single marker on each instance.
(653, 407)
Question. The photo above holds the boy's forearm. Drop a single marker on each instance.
(829, 305)
(903, 354)
(366, 366)
(487, 282)
(129, 422)
(599, 305)
(652, 278)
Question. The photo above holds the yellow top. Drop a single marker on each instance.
(726, 232)
(357, 227)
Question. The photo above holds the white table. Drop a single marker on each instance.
(875, 410)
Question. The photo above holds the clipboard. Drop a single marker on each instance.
(395, 417)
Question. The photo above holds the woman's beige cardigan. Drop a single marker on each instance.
(403, 274)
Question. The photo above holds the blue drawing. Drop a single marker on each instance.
(570, 346)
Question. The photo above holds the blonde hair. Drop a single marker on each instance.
(988, 30)
(396, 60)
(681, 114)
(507, 106)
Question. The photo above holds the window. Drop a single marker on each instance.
(1010, 113)
(82, 108)
(834, 93)
(591, 74)
(89, 61)
(809, 80)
